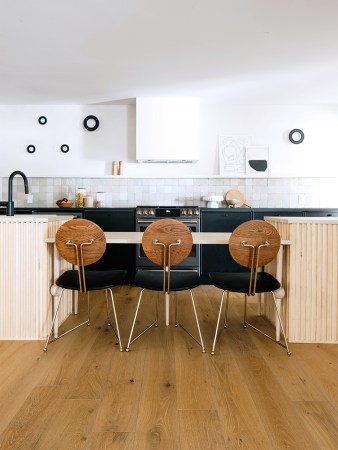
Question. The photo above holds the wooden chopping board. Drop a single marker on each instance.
(234, 195)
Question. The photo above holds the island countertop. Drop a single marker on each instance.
(33, 218)
(290, 220)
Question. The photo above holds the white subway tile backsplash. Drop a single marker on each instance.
(130, 192)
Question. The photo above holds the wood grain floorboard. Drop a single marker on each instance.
(157, 418)
(112, 441)
(165, 393)
(120, 404)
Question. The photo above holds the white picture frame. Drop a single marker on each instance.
(232, 154)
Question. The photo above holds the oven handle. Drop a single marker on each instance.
(152, 221)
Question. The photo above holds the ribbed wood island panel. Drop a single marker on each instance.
(310, 278)
(26, 275)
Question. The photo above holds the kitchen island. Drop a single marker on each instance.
(26, 274)
(310, 278)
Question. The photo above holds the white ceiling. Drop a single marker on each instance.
(108, 51)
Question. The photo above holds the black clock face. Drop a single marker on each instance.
(31, 148)
(65, 148)
(296, 136)
(91, 123)
(42, 120)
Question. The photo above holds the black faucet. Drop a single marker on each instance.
(10, 204)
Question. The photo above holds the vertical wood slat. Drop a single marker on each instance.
(310, 281)
(26, 272)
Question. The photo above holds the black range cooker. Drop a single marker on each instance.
(189, 215)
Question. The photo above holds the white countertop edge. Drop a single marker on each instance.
(31, 218)
(305, 220)
(135, 237)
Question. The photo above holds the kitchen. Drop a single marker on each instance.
(263, 103)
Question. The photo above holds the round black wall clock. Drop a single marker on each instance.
(42, 120)
(91, 123)
(31, 148)
(65, 148)
(296, 136)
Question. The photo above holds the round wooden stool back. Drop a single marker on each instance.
(79, 231)
(254, 232)
(167, 231)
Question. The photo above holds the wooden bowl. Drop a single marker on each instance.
(64, 204)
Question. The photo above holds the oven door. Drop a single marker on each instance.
(192, 262)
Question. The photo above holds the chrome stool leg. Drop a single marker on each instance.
(117, 332)
(217, 325)
(66, 332)
(200, 342)
(130, 340)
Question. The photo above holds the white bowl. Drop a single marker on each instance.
(212, 200)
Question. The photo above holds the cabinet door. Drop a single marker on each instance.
(261, 213)
(322, 213)
(216, 258)
(116, 256)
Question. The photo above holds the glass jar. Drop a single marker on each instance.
(81, 193)
(99, 199)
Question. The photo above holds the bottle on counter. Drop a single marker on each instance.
(81, 193)
(88, 201)
(120, 168)
(114, 172)
(99, 199)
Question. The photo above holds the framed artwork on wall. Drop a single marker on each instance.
(257, 160)
(232, 155)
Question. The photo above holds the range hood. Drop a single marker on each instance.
(167, 130)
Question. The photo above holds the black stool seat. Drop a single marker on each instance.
(239, 282)
(95, 279)
(179, 281)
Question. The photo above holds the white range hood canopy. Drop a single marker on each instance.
(167, 130)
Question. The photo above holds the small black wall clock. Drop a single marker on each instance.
(65, 148)
(296, 136)
(91, 123)
(31, 148)
(42, 120)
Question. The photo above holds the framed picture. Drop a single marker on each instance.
(257, 160)
(232, 151)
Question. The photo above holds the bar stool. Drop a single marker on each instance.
(81, 242)
(167, 242)
(252, 244)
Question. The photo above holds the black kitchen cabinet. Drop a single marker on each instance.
(321, 213)
(260, 213)
(76, 212)
(216, 258)
(116, 256)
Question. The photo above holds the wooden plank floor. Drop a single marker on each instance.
(165, 393)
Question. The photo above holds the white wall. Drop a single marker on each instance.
(91, 153)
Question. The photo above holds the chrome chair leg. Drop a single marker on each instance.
(281, 324)
(217, 325)
(200, 342)
(117, 332)
(107, 306)
(88, 308)
(130, 340)
(53, 321)
(245, 323)
(226, 311)
(49, 341)
(286, 346)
